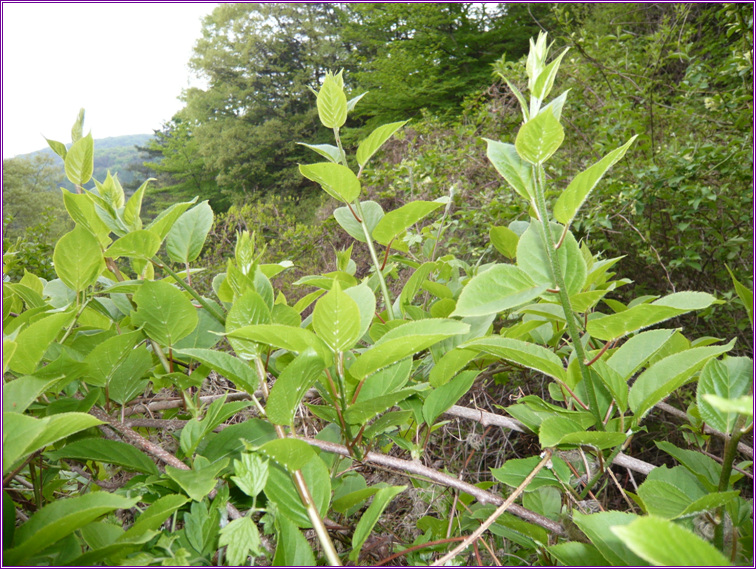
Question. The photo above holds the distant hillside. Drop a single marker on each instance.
(114, 153)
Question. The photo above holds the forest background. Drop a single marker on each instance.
(679, 207)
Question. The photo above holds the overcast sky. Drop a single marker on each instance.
(126, 64)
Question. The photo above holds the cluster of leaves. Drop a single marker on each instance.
(84, 351)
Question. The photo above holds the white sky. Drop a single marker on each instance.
(126, 64)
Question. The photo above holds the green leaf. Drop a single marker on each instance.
(449, 364)
(198, 482)
(533, 259)
(287, 337)
(404, 341)
(666, 375)
(292, 454)
(517, 172)
(363, 411)
(563, 431)
(226, 365)
(745, 294)
(60, 519)
(35, 339)
(58, 147)
(365, 299)
(281, 490)
(20, 393)
(106, 358)
(251, 473)
(577, 192)
(79, 161)
(501, 287)
(375, 140)
(370, 518)
(389, 379)
(645, 315)
(107, 451)
(291, 386)
(164, 221)
(576, 554)
(397, 221)
(634, 353)
(727, 379)
(600, 530)
(82, 211)
(242, 539)
(292, 550)
(336, 180)
(539, 138)
(662, 542)
(229, 442)
(332, 102)
(545, 80)
(440, 399)
(522, 353)
(78, 259)
(154, 516)
(504, 240)
(164, 312)
(248, 309)
(372, 213)
(327, 151)
(701, 466)
(336, 319)
(187, 236)
(141, 244)
(742, 405)
(516, 470)
(133, 207)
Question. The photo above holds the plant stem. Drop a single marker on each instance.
(730, 450)
(195, 295)
(368, 238)
(301, 484)
(564, 297)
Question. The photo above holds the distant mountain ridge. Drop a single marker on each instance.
(113, 153)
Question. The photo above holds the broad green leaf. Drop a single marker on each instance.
(516, 470)
(634, 353)
(397, 221)
(576, 554)
(539, 138)
(79, 161)
(280, 489)
(556, 105)
(142, 244)
(292, 454)
(440, 399)
(154, 516)
(292, 550)
(336, 180)
(164, 221)
(107, 451)
(563, 431)
(248, 309)
(741, 405)
(20, 393)
(286, 337)
(600, 530)
(449, 364)
(226, 365)
(60, 519)
(106, 358)
(386, 422)
(332, 102)
(577, 192)
(78, 259)
(207, 333)
(663, 499)
(545, 80)
(701, 466)
(82, 211)
(666, 375)
(242, 539)
(361, 412)
(327, 151)
(336, 319)
(198, 482)
(35, 339)
(502, 287)
(164, 312)
(133, 207)
(614, 382)
(372, 212)
(229, 442)
(129, 378)
(533, 259)
(351, 103)
(23, 435)
(111, 192)
(370, 518)
(662, 542)
(522, 353)
(728, 379)
(517, 172)
(58, 147)
(365, 299)
(387, 380)
(412, 286)
(375, 140)
(251, 473)
(645, 315)
(745, 294)
(291, 386)
(504, 240)
(185, 239)
(404, 341)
